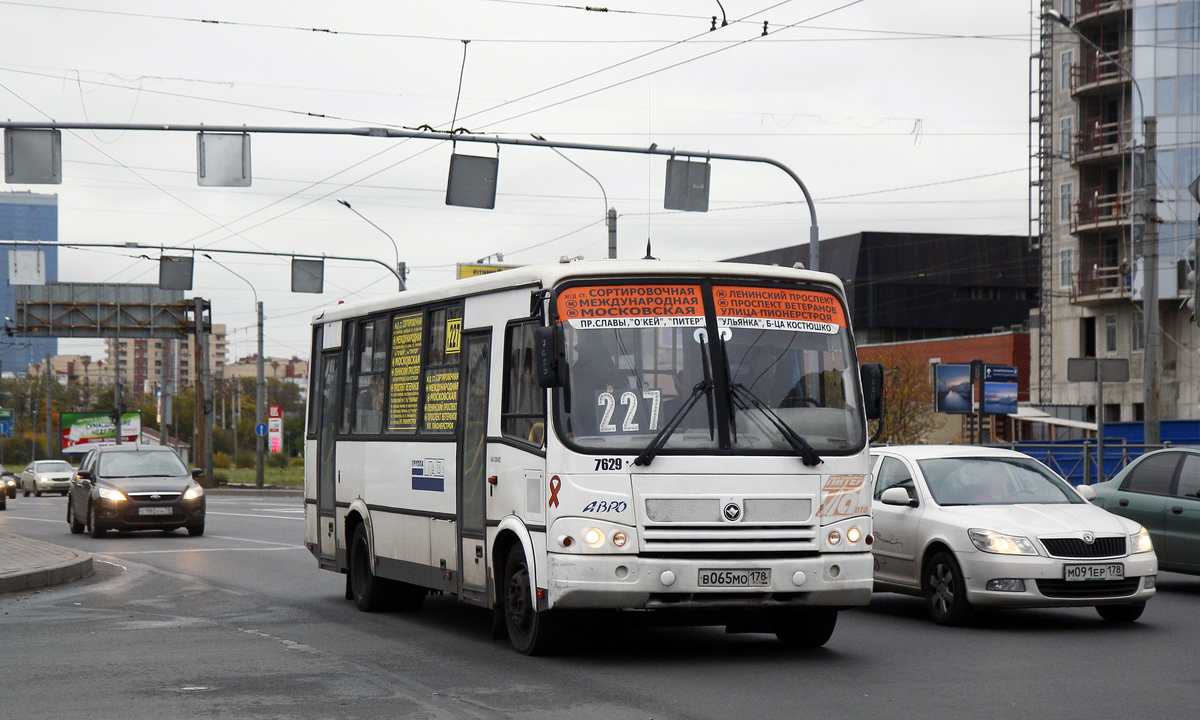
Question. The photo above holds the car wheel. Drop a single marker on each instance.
(37, 493)
(94, 527)
(1121, 613)
(3, 502)
(24, 490)
(945, 591)
(76, 526)
(531, 632)
(195, 529)
(804, 628)
(369, 592)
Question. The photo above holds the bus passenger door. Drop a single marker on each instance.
(326, 480)
(472, 468)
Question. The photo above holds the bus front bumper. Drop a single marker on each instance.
(629, 581)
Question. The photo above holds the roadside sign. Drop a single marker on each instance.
(260, 429)
(275, 428)
(6, 422)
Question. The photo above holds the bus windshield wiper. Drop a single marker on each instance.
(704, 387)
(744, 399)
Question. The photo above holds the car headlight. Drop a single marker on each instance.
(994, 542)
(44, 478)
(113, 495)
(1140, 541)
(193, 492)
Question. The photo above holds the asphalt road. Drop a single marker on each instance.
(240, 623)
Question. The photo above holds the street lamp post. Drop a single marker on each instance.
(400, 269)
(610, 213)
(260, 386)
(1152, 362)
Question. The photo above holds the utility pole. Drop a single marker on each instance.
(612, 233)
(116, 358)
(204, 394)
(49, 433)
(260, 405)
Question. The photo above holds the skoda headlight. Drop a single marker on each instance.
(193, 492)
(1140, 541)
(113, 495)
(994, 542)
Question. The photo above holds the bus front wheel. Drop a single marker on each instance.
(531, 632)
(804, 627)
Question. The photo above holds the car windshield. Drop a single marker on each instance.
(54, 466)
(994, 481)
(141, 464)
(640, 361)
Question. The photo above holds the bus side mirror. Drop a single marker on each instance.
(871, 375)
(549, 354)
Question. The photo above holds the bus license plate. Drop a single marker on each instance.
(734, 578)
(1111, 571)
(154, 511)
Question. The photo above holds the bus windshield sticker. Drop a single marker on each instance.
(631, 306)
(636, 414)
(778, 309)
(453, 335)
(405, 372)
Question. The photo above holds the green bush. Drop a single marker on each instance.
(222, 460)
(277, 460)
(244, 460)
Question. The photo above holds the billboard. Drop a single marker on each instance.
(952, 388)
(999, 389)
(83, 431)
(467, 270)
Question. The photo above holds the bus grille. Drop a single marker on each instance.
(730, 537)
(702, 510)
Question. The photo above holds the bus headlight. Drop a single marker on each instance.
(593, 537)
(578, 535)
(834, 537)
(853, 535)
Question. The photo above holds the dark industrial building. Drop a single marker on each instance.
(914, 286)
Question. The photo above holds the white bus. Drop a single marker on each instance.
(683, 439)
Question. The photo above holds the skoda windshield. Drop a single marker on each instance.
(764, 365)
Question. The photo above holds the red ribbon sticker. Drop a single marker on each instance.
(555, 486)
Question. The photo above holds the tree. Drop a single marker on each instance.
(908, 414)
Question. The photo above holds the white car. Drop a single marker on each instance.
(967, 527)
(47, 476)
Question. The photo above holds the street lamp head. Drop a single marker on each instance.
(343, 202)
(1057, 17)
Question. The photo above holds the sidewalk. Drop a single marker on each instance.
(27, 564)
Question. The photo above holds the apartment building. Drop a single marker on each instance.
(146, 362)
(1090, 111)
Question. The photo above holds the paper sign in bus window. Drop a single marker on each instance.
(631, 306)
(768, 308)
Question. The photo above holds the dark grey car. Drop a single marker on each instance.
(134, 487)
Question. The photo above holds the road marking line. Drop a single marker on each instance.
(269, 517)
(264, 542)
(190, 550)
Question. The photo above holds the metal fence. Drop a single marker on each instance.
(1077, 461)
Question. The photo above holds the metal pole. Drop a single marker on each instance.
(653, 149)
(260, 404)
(1099, 424)
(117, 387)
(1152, 362)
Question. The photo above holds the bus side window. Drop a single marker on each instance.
(523, 413)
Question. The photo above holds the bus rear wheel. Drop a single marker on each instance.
(368, 591)
(531, 632)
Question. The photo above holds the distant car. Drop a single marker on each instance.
(1160, 490)
(967, 527)
(47, 476)
(9, 481)
(134, 487)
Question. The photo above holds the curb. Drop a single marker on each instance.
(38, 564)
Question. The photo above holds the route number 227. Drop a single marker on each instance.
(629, 399)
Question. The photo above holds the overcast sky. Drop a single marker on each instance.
(899, 115)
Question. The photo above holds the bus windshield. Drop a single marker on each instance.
(640, 359)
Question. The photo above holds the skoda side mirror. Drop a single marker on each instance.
(897, 496)
(197, 473)
(871, 375)
(549, 357)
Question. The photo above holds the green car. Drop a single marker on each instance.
(1160, 490)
